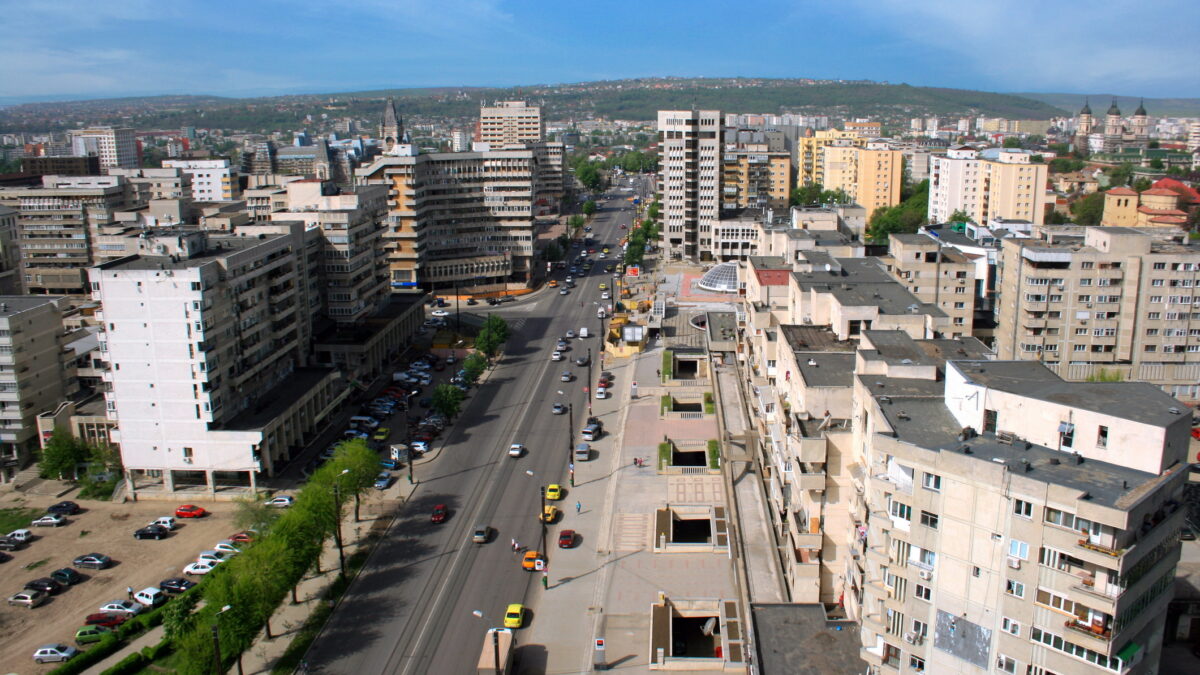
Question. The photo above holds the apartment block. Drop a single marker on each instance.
(756, 171)
(213, 180)
(88, 165)
(809, 168)
(210, 382)
(1103, 302)
(116, 147)
(461, 218)
(1006, 520)
(872, 175)
(508, 123)
(994, 183)
(936, 274)
(689, 180)
(32, 374)
(10, 256)
(146, 185)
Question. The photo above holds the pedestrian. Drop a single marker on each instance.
(545, 581)
(578, 506)
(635, 461)
(512, 543)
(658, 372)
(129, 592)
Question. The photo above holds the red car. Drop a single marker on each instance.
(106, 619)
(242, 537)
(190, 511)
(623, 227)
(566, 539)
(604, 383)
(439, 514)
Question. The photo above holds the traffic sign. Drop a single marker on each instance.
(599, 643)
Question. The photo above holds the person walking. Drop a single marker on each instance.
(545, 581)
(512, 543)
(578, 507)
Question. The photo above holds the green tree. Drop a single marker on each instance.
(1119, 175)
(474, 365)
(1152, 145)
(654, 211)
(1141, 184)
(1065, 165)
(447, 400)
(589, 207)
(959, 216)
(177, 617)
(552, 251)
(906, 217)
(62, 455)
(1012, 142)
(1156, 163)
(1057, 218)
(806, 195)
(588, 174)
(1089, 210)
(251, 513)
(498, 326)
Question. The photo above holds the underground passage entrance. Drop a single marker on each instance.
(687, 457)
(694, 636)
(691, 530)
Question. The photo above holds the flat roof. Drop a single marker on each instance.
(228, 245)
(14, 304)
(279, 398)
(890, 297)
(362, 332)
(896, 346)
(826, 369)
(805, 338)
(795, 639)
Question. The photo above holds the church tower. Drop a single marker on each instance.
(391, 129)
(1084, 128)
(1141, 124)
(1112, 127)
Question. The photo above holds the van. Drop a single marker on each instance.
(583, 452)
(364, 421)
(583, 332)
(591, 432)
(150, 597)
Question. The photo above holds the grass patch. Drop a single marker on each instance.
(16, 518)
(84, 533)
(714, 454)
(37, 563)
(664, 455)
(668, 365)
(665, 404)
(710, 408)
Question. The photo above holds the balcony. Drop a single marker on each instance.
(805, 531)
(1096, 636)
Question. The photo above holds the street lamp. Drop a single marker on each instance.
(216, 635)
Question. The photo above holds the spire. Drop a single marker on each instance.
(1141, 109)
(390, 118)
(1087, 109)
(1113, 109)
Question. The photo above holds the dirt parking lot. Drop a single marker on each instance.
(102, 527)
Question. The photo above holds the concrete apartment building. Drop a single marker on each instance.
(1103, 301)
(936, 274)
(689, 180)
(461, 218)
(115, 146)
(213, 180)
(210, 381)
(994, 183)
(809, 168)
(509, 123)
(756, 171)
(31, 374)
(88, 165)
(872, 175)
(10, 256)
(1008, 521)
(146, 185)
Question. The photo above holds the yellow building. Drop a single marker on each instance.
(1156, 207)
(871, 175)
(754, 177)
(808, 153)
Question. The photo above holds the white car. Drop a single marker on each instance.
(49, 520)
(440, 312)
(226, 546)
(281, 502)
(166, 521)
(419, 446)
(212, 556)
(556, 356)
(516, 450)
(604, 295)
(199, 567)
(601, 392)
(54, 653)
(122, 606)
(570, 335)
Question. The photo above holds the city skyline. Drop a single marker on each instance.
(133, 47)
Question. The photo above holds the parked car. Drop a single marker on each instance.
(67, 576)
(383, 481)
(199, 567)
(439, 514)
(389, 463)
(382, 433)
(419, 446)
(549, 514)
(150, 597)
(554, 492)
(94, 561)
(27, 598)
(566, 538)
(243, 537)
(601, 393)
(106, 619)
(281, 502)
(126, 606)
(22, 535)
(175, 585)
(45, 585)
(190, 511)
(54, 653)
(213, 556)
(164, 521)
(7, 544)
(440, 313)
(155, 532)
(50, 520)
(89, 634)
(64, 508)
(227, 547)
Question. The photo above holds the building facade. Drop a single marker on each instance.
(689, 180)
(755, 173)
(936, 274)
(508, 123)
(995, 183)
(116, 147)
(213, 180)
(871, 176)
(32, 374)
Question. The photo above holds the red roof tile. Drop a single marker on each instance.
(1121, 192)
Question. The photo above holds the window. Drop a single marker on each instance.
(1011, 627)
(1018, 549)
(920, 628)
(901, 510)
(923, 593)
(929, 520)
(931, 481)
(1022, 508)
(1102, 437)
(1006, 664)
(917, 664)
(975, 571)
(1066, 433)
(1058, 560)
(1014, 588)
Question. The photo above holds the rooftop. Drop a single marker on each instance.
(219, 246)
(15, 304)
(802, 338)
(826, 369)
(798, 639)
(281, 397)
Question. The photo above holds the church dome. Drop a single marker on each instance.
(1141, 109)
(1087, 109)
(1113, 109)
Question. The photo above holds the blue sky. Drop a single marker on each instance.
(93, 48)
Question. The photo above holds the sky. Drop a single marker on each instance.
(103, 48)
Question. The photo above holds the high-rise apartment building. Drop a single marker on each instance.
(809, 168)
(10, 256)
(994, 183)
(872, 175)
(32, 378)
(116, 147)
(1097, 302)
(213, 180)
(756, 171)
(689, 180)
(510, 123)
(939, 275)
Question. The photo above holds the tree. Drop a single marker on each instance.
(654, 211)
(498, 326)
(589, 176)
(1057, 218)
(474, 365)
(1156, 163)
(589, 207)
(552, 252)
(905, 217)
(62, 455)
(1012, 142)
(1119, 175)
(1065, 165)
(177, 617)
(959, 216)
(447, 400)
(251, 513)
(1141, 184)
(575, 223)
(806, 195)
(1152, 145)
(1089, 210)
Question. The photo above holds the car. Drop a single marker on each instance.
(581, 361)
(516, 450)
(150, 597)
(45, 585)
(570, 335)
(93, 561)
(439, 514)
(532, 560)
(199, 567)
(472, 301)
(67, 576)
(554, 491)
(7, 544)
(383, 481)
(562, 346)
(1187, 534)
(566, 538)
(451, 360)
(119, 606)
(243, 537)
(175, 585)
(164, 521)
(89, 634)
(604, 295)
(227, 546)
(564, 291)
(355, 433)
(190, 511)
(493, 301)
(22, 535)
(419, 447)
(213, 556)
(382, 433)
(440, 313)
(549, 514)
(481, 534)
(106, 619)
(390, 464)
(604, 382)
(514, 614)
(606, 374)
(151, 532)
(556, 356)
(28, 598)
(559, 409)
(64, 508)
(49, 520)
(603, 286)
(281, 502)
(54, 653)
(601, 393)
(602, 255)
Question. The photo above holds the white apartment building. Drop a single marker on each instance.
(509, 123)
(116, 147)
(206, 337)
(689, 180)
(994, 183)
(213, 180)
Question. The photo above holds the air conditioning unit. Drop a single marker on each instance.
(910, 638)
(926, 575)
(187, 460)
(1014, 563)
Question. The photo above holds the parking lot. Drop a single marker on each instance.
(102, 527)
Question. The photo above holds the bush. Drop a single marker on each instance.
(668, 364)
(133, 663)
(714, 454)
(665, 404)
(710, 407)
(106, 647)
(664, 455)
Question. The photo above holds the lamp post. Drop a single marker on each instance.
(216, 635)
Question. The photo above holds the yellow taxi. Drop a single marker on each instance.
(554, 491)
(549, 514)
(514, 615)
(603, 287)
(533, 561)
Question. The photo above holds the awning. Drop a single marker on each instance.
(1129, 652)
